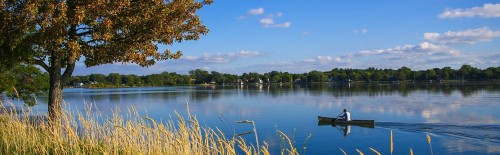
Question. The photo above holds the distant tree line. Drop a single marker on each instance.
(466, 72)
(198, 76)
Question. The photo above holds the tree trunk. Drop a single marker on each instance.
(55, 91)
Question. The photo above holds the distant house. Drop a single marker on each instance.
(239, 81)
(77, 84)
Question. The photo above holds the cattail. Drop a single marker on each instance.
(428, 139)
(378, 153)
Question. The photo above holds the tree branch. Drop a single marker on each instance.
(69, 71)
(73, 54)
(93, 40)
(42, 64)
(84, 28)
(85, 33)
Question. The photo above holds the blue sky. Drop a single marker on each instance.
(301, 36)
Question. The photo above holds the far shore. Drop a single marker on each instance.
(409, 82)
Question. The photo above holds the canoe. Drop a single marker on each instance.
(333, 121)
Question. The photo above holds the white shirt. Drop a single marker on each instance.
(347, 116)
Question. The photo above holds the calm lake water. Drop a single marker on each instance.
(460, 118)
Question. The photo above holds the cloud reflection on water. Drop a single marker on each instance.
(463, 145)
(459, 104)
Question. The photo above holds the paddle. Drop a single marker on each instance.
(333, 120)
(340, 114)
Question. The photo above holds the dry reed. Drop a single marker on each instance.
(375, 151)
(343, 151)
(392, 146)
(392, 143)
(429, 141)
(359, 151)
(90, 133)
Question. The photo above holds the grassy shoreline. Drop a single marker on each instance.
(130, 134)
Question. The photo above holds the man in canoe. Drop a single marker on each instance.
(345, 116)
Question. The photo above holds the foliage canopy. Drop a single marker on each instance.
(56, 34)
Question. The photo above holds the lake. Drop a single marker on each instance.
(461, 118)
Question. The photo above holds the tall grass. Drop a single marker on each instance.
(21, 133)
(391, 144)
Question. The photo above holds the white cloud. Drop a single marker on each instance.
(486, 11)
(268, 22)
(247, 53)
(421, 56)
(257, 11)
(282, 25)
(424, 48)
(253, 12)
(360, 31)
(324, 60)
(220, 57)
(470, 36)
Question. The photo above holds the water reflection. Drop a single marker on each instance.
(463, 146)
(432, 102)
(483, 133)
(357, 89)
(468, 107)
(344, 129)
(405, 89)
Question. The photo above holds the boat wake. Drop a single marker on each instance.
(485, 133)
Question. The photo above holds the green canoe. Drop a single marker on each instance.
(329, 120)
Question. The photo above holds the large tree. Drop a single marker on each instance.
(54, 34)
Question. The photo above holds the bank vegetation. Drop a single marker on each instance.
(23, 132)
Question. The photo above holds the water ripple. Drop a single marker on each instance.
(485, 133)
